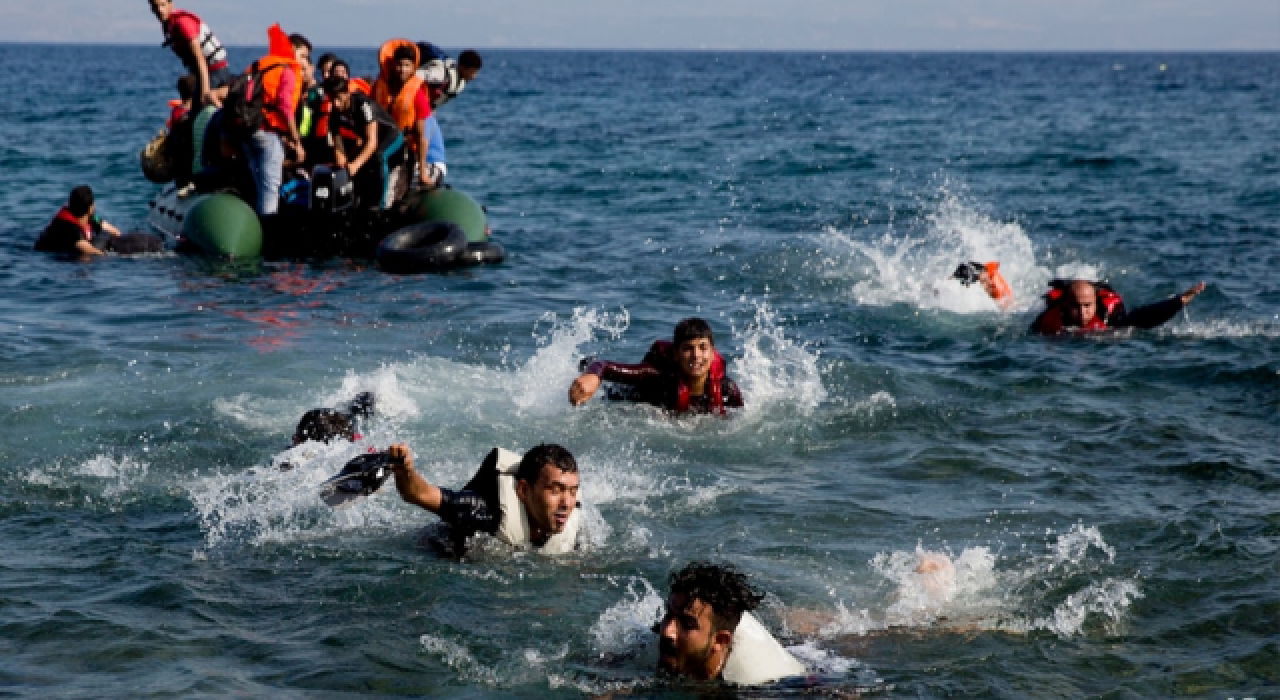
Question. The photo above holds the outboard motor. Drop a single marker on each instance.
(332, 191)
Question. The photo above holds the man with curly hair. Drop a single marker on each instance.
(709, 633)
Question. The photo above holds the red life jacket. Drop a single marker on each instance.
(215, 56)
(1051, 321)
(65, 215)
(665, 349)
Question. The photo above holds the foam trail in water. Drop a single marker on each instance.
(916, 267)
(775, 370)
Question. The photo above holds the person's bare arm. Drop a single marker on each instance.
(207, 94)
(1192, 293)
(370, 145)
(412, 487)
(86, 248)
(106, 226)
(586, 385)
(424, 174)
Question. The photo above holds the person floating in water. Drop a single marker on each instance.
(1079, 306)
(328, 424)
(988, 275)
(682, 375)
(708, 632)
(529, 501)
(73, 229)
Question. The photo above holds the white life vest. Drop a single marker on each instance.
(213, 51)
(755, 657)
(442, 74)
(515, 529)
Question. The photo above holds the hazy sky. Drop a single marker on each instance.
(660, 24)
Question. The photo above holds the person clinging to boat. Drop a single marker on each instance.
(683, 375)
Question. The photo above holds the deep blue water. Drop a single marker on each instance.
(1111, 503)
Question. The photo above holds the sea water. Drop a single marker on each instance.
(1109, 505)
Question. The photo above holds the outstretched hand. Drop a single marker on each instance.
(1190, 294)
(583, 388)
(401, 458)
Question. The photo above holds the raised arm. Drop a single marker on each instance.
(1152, 315)
(412, 487)
(586, 385)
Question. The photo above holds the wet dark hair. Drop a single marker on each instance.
(335, 85)
(470, 59)
(81, 200)
(187, 85)
(724, 588)
(530, 469)
(298, 40)
(405, 53)
(692, 329)
(325, 58)
(323, 425)
(969, 272)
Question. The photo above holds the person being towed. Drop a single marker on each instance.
(683, 375)
(525, 501)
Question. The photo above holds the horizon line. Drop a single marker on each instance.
(707, 49)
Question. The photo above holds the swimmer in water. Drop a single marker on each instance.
(683, 375)
(988, 275)
(329, 424)
(1081, 306)
(708, 632)
(529, 501)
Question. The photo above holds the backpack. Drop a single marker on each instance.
(428, 52)
(243, 107)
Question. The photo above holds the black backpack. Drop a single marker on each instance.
(243, 108)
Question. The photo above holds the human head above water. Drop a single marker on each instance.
(81, 201)
(704, 606)
(547, 485)
(695, 348)
(323, 425)
(1080, 303)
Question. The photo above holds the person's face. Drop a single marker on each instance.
(342, 101)
(341, 71)
(162, 9)
(551, 500)
(302, 55)
(695, 357)
(405, 69)
(688, 643)
(325, 69)
(469, 73)
(1081, 305)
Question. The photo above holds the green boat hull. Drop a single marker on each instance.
(453, 206)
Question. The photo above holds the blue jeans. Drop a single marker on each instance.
(265, 154)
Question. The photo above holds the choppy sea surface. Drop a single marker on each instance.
(1112, 504)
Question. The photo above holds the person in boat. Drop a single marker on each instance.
(401, 92)
(1081, 306)
(529, 501)
(988, 275)
(685, 374)
(324, 65)
(73, 229)
(282, 79)
(366, 142)
(708, 632)
(181, 107)
(444, 77)
(197, 48)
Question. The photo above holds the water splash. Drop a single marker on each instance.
(775, 371)
(916, 267)
(626, 627)
(543, 381)
(1224, 329)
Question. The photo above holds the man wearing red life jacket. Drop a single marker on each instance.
(683, 375)
(1078, 306)
(73, 229)
(197, 48)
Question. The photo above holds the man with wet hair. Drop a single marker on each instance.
(1083, 306)
(529, 501)
(73, 229)
(708, 632)
(683, 375)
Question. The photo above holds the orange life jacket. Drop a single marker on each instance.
(279, 53)
(401, 104)
(1051, 321)
(360, 85)
(998, 287)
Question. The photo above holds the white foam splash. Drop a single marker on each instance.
(543, 381)
(916, 267)
(121, 474)
(628, 624)
(1225, 329)
(775, 370)
(1109, 598)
